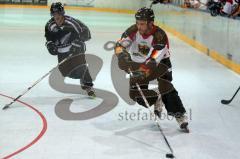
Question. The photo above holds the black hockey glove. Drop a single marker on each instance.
(146, 71)
(52, 48)
(138, 76)
(151, 64)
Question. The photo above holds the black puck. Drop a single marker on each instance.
(169, 155)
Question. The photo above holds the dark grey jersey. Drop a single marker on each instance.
(63, 36)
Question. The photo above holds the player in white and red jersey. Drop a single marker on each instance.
(144, 49)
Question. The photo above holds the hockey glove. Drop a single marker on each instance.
(151, 64)
(145, 71)
(119, 49)
(52, 48)
(147, 67)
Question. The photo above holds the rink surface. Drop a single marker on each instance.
(33, 128)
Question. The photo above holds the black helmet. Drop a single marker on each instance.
(145, 14)
(57, 8)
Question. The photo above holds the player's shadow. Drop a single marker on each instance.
(131, 140)
(129, 133)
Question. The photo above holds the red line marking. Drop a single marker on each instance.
(40, 135)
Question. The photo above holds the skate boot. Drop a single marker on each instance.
(158, 106)
(183, 122)
(90, 91)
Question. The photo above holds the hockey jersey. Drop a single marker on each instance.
(143, 47)
(63, 36)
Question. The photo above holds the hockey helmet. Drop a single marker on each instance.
(57, 8)
(145, 14)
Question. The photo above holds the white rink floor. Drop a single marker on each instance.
(200, 81)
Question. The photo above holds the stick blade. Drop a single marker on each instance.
(5, 107)
(225, 101)
(169, 155)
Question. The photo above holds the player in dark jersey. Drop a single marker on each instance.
(66, 37)
(144, 50)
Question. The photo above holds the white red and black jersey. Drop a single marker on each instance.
(72, 29)
(142, 47)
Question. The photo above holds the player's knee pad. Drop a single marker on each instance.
(73, 66)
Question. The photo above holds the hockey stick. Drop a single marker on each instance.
(157, 120)
(34, 84)
(230, 100)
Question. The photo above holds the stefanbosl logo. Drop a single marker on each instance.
(141, 115)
